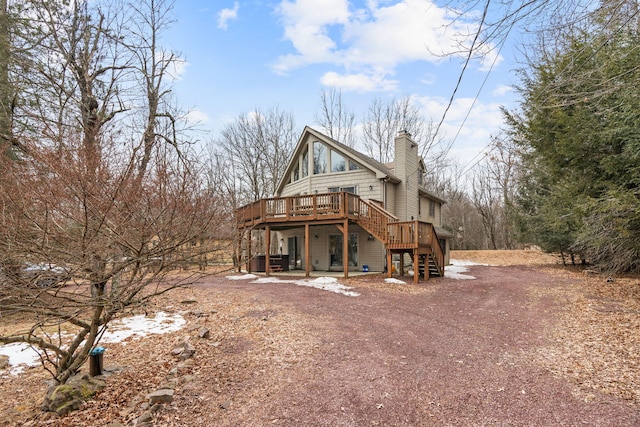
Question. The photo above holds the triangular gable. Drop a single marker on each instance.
(309, 135)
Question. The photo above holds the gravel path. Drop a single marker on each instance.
(452, 354)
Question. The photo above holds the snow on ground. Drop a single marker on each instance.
(330, 284)
(22, 355)
(395, 281)
(242, 277)
(457, 267)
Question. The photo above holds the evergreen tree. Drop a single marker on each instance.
(578, 128)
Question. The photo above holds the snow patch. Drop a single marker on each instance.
(464, 263)
(394, 281)
(22, 355)
(329, 284)
(243, 277)
(141, 325)
(457, 267)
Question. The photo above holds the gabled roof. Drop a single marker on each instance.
(367, 162)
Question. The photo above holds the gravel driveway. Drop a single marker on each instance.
(451, 353)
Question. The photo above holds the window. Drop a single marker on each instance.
(338, 163)
(319, 158)
(296, 173)
(351, 189)
(353, 166)
(432, 208)
(305, 164)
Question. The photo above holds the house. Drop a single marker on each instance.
(336, 209)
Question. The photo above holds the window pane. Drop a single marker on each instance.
(338, 163)
(351, 190)
(353, 166)
(319, 158)
(296, 173)
(305, 164)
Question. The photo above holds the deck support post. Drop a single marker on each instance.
(416, 266)
(238, 256)
(267, 251)
(307, 255)
(389, 263)
(345, 248)
(249, 255)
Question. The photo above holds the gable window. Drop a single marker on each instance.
(432, 208)
(296, 173)
(353, 166)
(320, 160)
(305, 164)
(338, 163)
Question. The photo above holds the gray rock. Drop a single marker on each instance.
(144, 418)
(160, 396)
(226, 404)
(68, 397)
(204, 333)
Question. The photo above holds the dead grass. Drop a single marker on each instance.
(529, 257)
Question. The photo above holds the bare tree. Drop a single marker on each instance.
(5, 89)
(383, 122)
(485, 198)
(334, 118)
(108, 216)
(258, 146)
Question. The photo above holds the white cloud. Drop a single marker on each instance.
(371, 41)
(177, 68)
(197, 117)
(306, 25)
(226, 15)
(360, 82)
(502, 90)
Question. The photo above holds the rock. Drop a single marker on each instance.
(183, 350)
(68, 397)
(204, 333)
(160, 396)
(4, 361)
(226, 404)
(144, 418)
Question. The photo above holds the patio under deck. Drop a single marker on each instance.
(342, 209)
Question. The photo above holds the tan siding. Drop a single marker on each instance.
(299, 187)
(391, 198)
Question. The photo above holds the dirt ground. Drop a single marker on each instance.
(527, 343)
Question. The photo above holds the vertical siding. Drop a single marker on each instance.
(370, 252)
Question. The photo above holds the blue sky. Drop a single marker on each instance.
(241, 55)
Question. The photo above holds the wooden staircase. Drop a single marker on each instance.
(414, 237)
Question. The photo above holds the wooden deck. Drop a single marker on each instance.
(416, 237)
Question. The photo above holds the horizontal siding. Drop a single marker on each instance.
(424, 212)
(361, 179)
